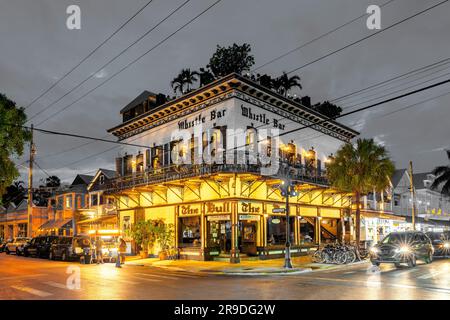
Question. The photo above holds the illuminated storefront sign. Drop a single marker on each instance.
(200, 119)
(189, 210)
(219, 217)
(250, 207)
(251, 217)
(221, 207)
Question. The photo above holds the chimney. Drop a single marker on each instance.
(119, 166)
(306, 101)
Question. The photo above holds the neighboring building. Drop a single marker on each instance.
(431, 206)
(99, 215)
(226, 210)
(63, 206)
(14, 220)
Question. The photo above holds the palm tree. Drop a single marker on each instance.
(360, 169)
(185, 78)
(205, 76)
(443, 177)
(283, 84)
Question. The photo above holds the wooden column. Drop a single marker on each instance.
(234, 257)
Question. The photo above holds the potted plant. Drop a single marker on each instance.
(142, 233)
(164, 234)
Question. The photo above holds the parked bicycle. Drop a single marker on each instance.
(338, 254)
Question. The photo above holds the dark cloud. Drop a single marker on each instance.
(37, 49)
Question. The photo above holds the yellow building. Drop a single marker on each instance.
(241, 140)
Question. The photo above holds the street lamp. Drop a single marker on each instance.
(287, 190)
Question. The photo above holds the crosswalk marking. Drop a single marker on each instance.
(57, 285)
(35, 292)
(430, 275)
(157, 276)
(24, 276)
(349, 272)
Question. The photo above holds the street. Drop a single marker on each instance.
(28, 278)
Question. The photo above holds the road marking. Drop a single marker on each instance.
(400, 273)
(24, 276)
(430, 275)
(349, 272)
(35, 292)
(58, 285)
(157, 276)
(150, 280)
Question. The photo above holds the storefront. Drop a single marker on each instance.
(375, 226)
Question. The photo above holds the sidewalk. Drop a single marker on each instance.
(246, 267)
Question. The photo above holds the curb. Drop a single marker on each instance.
(343, 266)
(267, 273)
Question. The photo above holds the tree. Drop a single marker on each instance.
(283, 84)
(205, 76)
(360, 169)
(327, 109)
(442, 177)
(14, 193)
(12, 140)
(52, 182)
(236, 58)
(185, 78)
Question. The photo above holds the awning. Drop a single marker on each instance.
(98, 220)
(55, 224)
(381, 215)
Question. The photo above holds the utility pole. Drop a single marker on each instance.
(30, 185)
(413, 198)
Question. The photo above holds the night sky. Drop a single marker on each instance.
(37, 49)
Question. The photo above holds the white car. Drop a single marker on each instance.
(17, 242)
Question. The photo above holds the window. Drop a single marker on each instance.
(126, 223)
(69, 201)
(101, 180)
(276, 230)
(22, 232)
(189, 231)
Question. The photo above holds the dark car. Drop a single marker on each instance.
(71, 248)
(3, 245)
(39, 246)
(441, 243)
(402, 247)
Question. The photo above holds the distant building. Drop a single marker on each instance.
(431, 206)
(14, 220)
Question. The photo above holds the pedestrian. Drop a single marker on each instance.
(122, 250)
(98, 250)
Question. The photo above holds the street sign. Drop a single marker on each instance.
(278, 210)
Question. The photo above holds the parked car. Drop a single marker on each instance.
(3, 245)
(441, 243)
(39, 246)
(12, 246)
(20, 247)
(71, 248)
(402, 247)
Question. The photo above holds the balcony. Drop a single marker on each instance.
(296, 172)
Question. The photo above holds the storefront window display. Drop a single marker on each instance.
(219, 234)
(276, 230)
(189, 231)
(307, 235)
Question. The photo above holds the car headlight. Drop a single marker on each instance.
(403, 249)
(374, 250)
(446, 245)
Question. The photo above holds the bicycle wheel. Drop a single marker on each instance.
(317, 256)
(340, 257)
(327, 257)
(351, 256)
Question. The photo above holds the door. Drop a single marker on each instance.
(219, 235)
(247, 237)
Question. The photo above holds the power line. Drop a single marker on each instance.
(135, 60)
(89, 55)
(367, 107)
(73, 135)
(367, 37)
(107, 63)
(315, 39)
(391, 79)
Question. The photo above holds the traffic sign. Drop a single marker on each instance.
(278, 210)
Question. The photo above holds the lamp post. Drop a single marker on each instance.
(287, 190)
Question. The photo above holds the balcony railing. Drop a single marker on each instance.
(295, 172)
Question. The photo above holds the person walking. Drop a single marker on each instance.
(122, 250)
(98, 250)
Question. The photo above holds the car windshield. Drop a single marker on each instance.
(397, 238)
